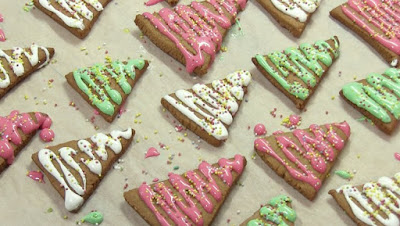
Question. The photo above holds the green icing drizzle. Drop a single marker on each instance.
(276, 210)
(118, 71)
(305, 59)
(93, 218)
(375, 97)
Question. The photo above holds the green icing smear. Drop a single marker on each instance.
(374, 96)
(303, 60)
(344, 174)
(93, 218)
(276, 211)
(85, 79)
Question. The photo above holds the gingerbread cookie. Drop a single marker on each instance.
(17, 129)
(304, 158)
(379, 28)
(278, 211)
(377, 97)
(18, 63)
(106, 87)
(374, 203)
(297, 72)
(77, 16)
(193, 198)
(291, 14)
(76, 168)
(208, 110)
(191, 34)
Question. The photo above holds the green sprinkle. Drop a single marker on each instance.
(50, 210)
(344, 174)
(176, 167)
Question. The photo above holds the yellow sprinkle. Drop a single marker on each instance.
(333, 97)
(26, 97)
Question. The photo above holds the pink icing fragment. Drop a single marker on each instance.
(36, 176)
(259, 130)
(152, 152)
(152, 2)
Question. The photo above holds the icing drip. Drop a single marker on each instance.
(318, 150)
(16, 63)
(191, 186)
(383, 194)
(300, 62)
(298, 9)
(75, 9)
(9, 131)
(198, 26)
(276, 211)
(86, 79)
(73, 189)
(219, 101)
(380, 18)
(379, 95)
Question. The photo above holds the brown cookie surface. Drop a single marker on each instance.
(390, 56)
(286, 70)
(197, 49)
(56, 11)
(110, 108)
(304, 158)
(76, 168)
(199, 199)
(208, 110)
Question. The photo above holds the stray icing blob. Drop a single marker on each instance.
(344, 174)
(36, 176)
(153, 2)
(94, 217)
(292, 122)
(152, 152)
(397, 156)
(260, 130)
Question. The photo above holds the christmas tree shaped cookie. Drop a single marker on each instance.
(304, 157)
(375, 21)
(297, 72)
(77, 16)
(209, 109)
(76, 168)
(374, 203)
(106, 87)
(17, 129)
(377, 97)
(191, 34)
(18, 63)
(291, 14)
(193, 198)
(278, 211)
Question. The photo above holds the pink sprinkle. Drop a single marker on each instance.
(155, 180)
(122, 110)
(259, 130)
(1, 18)
(178, 128)
(36, 176)
(152, 152)
(397, 156)
(96, 112)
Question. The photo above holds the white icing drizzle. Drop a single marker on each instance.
(297, 9)
(383, 194)
(73, 190)
(16, 62)
(219, 102)
(74, 7)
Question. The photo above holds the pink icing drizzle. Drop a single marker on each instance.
(164, 197)
(36, 176)
(153, 2)
(382, 16)
(9, 126)
(309, 144)
(259, 130)
(152, 152)
(2, 35)
(202, 35)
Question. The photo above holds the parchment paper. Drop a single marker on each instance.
(25, 202)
